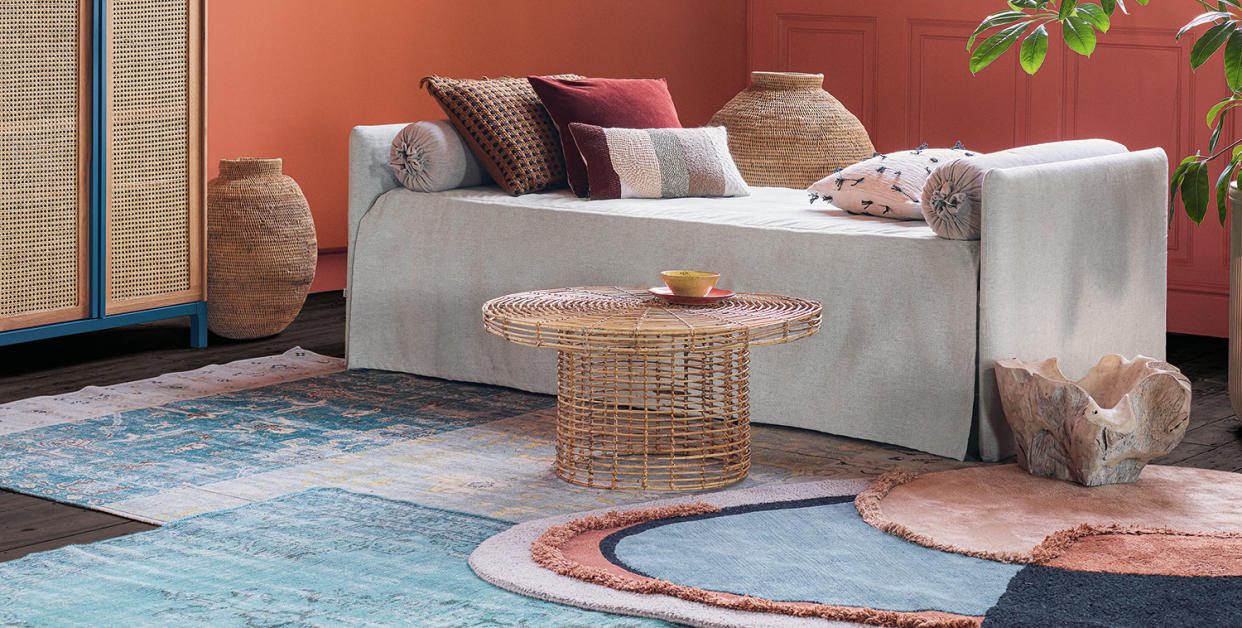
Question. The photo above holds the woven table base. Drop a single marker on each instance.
(677, 421)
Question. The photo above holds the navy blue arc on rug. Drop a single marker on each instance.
(1048, 596)
(812, 550)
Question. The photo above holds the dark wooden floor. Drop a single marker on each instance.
(49, 367)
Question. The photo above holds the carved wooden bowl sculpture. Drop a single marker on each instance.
(1101, 429)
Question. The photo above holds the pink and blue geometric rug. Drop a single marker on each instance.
(804, 553)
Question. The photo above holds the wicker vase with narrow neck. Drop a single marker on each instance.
(786, 131)
(261, 249)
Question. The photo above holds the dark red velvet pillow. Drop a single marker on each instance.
(612, 103)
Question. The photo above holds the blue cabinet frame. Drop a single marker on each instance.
(97, 232)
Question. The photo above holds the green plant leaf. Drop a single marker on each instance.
(1216, 135)
(1201, 19)
(994, 46)
(996, 19)
(1209, 42)
(1109, 6)
(1066, 9)
(1078, 35)
(1034, 49)
(1233, 61)
(1095, 15)
(1121, 4)
(1222, 191)
(1023, 4)
(1195, 191)
(1175, 181)
(1229, 102)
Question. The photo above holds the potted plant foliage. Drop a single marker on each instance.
(1219, 31)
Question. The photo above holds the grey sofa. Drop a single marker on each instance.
(1071, 264)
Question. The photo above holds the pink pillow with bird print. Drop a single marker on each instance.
(886, 185)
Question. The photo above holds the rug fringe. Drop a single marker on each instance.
(1055, 544)
(547, 553)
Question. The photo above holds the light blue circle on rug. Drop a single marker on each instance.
(821, 553)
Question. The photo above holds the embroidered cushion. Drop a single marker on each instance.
(507, 128)
(953, 201)
(658, 163)
(431, 156)
(628, 103)
(886, 185)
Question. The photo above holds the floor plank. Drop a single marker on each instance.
(59, 365)
(122, 528)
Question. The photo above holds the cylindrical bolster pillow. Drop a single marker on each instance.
(952, 197)
(431, 156)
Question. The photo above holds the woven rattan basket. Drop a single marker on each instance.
(786, 131)
(261, 249)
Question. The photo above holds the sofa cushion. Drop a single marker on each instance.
(431, 156)
(952, 200)
(658, 163)
(507, 128)
(626, 103)
(886, 185)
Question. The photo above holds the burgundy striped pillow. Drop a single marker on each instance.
(658, 163)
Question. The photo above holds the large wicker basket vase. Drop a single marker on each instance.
(261, 249)
(786, 131)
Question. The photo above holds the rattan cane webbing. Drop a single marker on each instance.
(651, 396)
(148, 152)
(630, 320)
(40, 162)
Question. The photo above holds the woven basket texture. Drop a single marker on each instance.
(261, 249)
(786, 131)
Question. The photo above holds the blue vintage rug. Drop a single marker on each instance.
(321, 557)
(468, 447)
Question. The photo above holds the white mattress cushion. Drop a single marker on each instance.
(894, 362)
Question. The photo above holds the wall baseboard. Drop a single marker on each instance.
(330, 274)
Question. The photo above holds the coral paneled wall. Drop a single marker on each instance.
(289, 78)
(901, 67)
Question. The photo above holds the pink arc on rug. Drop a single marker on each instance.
(1169, 522)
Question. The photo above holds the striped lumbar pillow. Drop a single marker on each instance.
(658, 163)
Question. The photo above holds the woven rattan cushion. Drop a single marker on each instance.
(507, 128)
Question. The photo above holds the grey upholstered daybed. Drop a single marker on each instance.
(1071, 264)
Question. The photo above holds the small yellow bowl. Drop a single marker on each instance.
(690, 283)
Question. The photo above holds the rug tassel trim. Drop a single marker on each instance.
(1055, 544)
(547, 553)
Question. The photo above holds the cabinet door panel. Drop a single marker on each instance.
(44, 145)
(153, 189)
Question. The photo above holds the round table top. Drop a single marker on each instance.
(633, 320)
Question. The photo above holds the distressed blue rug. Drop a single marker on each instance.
(323, 557)
(197, 442)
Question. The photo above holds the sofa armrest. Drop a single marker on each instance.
(1073, 266)
(369, 173)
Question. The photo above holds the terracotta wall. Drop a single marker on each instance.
(289, 78)
(902, 68)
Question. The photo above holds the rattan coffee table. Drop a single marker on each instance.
(651, 395)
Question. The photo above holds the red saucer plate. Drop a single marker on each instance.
(715, 296)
